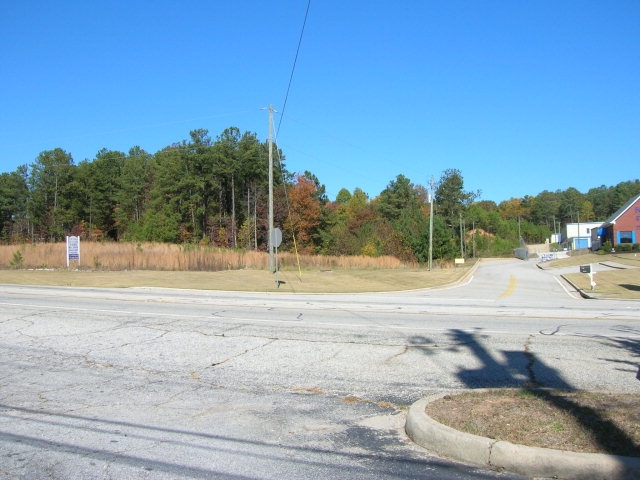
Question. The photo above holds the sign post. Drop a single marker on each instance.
(276, 240)
(73, 250)
(588, 270)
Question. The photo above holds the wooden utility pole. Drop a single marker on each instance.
(272, 263)
(431, 223)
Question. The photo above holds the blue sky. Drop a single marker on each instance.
(519, 96)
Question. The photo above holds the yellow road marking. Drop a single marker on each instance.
(513, 284)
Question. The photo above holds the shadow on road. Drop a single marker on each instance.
(524, 370)
(631, 345)
(217, 449)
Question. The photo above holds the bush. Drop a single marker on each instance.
(17, 260)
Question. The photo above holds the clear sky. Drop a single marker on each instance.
(519, 96)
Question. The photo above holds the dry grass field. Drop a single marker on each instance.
(206, 268)
(112, 256)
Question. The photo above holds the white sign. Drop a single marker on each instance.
(73, 249)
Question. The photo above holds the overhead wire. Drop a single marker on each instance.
(284, 106)
(293, 68)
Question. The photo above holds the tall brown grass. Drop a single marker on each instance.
(161, 256)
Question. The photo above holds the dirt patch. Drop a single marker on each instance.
(315, 390)
(574, 421)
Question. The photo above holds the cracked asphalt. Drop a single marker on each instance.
(153, 383)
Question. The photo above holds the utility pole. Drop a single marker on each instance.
(431, 223)
(272, 263)
(461, 240)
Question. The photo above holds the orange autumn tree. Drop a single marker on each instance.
(305, 210)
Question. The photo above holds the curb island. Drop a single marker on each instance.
(524, 460)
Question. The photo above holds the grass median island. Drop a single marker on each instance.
(622, 282)
(574, 421)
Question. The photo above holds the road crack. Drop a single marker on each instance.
(557, 330)
(221, 362)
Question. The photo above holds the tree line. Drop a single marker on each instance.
(215, 192)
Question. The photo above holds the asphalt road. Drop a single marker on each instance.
(159, 384)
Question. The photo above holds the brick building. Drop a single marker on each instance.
(623, 227)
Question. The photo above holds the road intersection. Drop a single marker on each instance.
(160, 383)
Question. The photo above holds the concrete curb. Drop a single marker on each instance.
(520, 459)
(582, 293)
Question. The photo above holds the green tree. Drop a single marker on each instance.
(451, 198)
(49, 180)
(227, 168)
(546, 209)
(253, 183)
(402, 205)
(571, 202)
(600, 199)
(451, 204)
(511, 209)
(13, 204)
(343, 232)
(241, 167)
(444, 243)
(621, 194)
(587, 213)
(343, 196)
(102, 185)
(134, 185)
(168, 205)
(397, 197)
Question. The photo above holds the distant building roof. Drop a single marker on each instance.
(612, 219)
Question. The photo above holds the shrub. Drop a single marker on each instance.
(17, 260)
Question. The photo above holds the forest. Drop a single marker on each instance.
(215, 192)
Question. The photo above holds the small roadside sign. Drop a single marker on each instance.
(73, 249)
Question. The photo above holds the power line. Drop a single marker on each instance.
(284, 105)
(293, 68)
